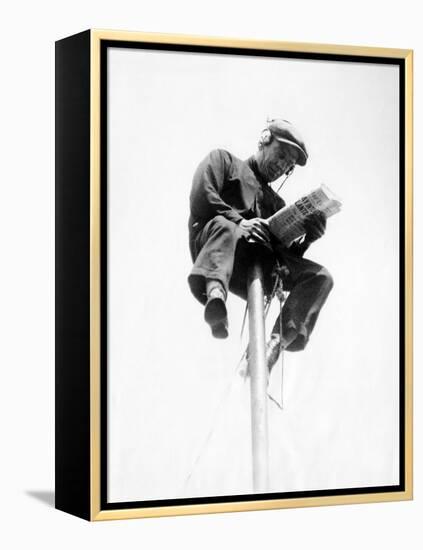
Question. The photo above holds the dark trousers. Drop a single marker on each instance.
(220, 252)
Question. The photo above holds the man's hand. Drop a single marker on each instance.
(315, 226)
(255, 230)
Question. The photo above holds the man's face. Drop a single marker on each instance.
(275, 159)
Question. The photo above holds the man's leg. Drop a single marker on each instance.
(209, 279)
(215, 313)
(309, 285)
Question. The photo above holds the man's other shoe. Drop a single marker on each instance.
(273, 350)
(215, 313)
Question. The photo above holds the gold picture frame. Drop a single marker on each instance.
(80, 267)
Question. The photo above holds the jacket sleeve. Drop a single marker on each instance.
(206, 194)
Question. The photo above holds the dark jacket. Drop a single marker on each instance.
(227, 186)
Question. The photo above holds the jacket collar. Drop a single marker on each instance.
(252, 163)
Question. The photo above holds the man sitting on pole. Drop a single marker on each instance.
(230, 201)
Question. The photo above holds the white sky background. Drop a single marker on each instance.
(169, 380)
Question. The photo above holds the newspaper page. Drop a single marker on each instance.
(287, 223)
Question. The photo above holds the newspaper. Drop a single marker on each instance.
(287, 224)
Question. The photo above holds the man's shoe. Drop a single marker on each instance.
(273, 350)
(215, 313)
(220, 330)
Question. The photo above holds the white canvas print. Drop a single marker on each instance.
(178, 389)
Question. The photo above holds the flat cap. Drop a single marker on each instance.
(284, 131)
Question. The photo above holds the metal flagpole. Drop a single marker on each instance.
(259, 377)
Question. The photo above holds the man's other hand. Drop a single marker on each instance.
(315, 226)
(255, 230)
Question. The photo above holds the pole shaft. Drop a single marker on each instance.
(258, 373)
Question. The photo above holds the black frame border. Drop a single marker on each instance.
(72, 267)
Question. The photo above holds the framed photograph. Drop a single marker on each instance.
(233, 275)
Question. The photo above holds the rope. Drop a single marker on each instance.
(281, 294)
(243, 321)
(268, 302)
(281, 349)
